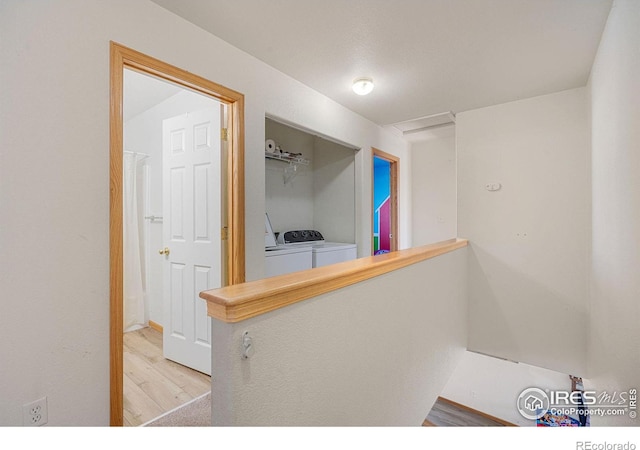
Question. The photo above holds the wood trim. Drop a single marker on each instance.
(384, 155)
(116, 291)
(243, 301)
(395, 171)
(475, 411)
(120, 58)
(395, 177)
(235, 194)
(155, 326)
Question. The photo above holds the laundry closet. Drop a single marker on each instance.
(309, 200)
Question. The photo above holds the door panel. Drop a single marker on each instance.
(176, 207)
(176, 290)
(203, 279)
(191, 233)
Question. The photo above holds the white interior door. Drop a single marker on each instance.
(191, 233)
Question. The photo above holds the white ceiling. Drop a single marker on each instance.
(141, 92)
(426, 56)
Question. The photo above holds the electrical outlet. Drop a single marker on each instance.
(35, 413)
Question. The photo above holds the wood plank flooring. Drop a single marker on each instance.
(154, 385)
(446, 413)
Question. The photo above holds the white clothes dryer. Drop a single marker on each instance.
(323, 252)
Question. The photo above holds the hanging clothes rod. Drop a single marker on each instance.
(144, 155)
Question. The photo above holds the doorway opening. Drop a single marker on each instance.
(198, 219)
(172, 244)
(385, 202)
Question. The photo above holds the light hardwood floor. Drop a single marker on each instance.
(446, 413)
(154, 385)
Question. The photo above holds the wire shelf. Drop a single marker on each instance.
(294, 159)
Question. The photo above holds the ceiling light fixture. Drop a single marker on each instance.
(362, 86)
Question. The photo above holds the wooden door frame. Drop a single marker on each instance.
(126, 58)
(394, 168)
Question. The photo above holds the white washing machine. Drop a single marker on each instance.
(323, 252)
(282, 259)
(326, 253)
(287, 259)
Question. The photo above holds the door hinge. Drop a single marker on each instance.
(224, 235)
(224, 134)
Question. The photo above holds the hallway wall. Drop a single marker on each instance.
(434, 188)
(375, 353)
(528, 258)
(54, 181)
(614, 358)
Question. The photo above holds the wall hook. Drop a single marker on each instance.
(247, 346)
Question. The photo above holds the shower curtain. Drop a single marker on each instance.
(133, 241)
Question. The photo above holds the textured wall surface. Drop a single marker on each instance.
(54, 181)
(373, 354)
(614, 359)
(434, 190)
(528, 259)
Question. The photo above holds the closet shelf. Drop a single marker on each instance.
(290, 171)
(287, 158)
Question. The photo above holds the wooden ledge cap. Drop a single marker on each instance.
(243, 301)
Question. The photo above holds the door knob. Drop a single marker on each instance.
(164, 251)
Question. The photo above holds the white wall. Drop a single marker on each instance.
(54, 183)
(334, 207)
(433, 186)
(614, 359)
(528, 260)
(377, 353)
(143, 133)
(493, 385)
(290, 206)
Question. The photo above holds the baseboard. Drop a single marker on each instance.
(155, 326)
(475, 411)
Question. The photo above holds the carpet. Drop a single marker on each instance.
(196, 413)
